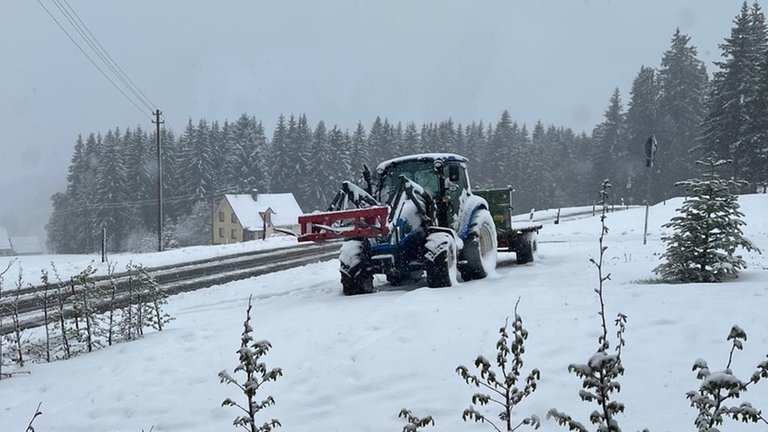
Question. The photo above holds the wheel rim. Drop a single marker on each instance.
(485, 240)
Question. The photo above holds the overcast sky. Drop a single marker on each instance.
(341, 61)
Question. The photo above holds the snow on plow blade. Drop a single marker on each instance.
(364, 222)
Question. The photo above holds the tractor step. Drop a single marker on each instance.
(364, 222)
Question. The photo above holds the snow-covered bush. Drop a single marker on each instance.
(502, 388)
(599, 375)
(256, 375)
(707, 232)
(718, 387)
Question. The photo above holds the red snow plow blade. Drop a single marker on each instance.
(364, 222)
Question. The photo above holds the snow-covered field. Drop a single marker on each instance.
(351, 363)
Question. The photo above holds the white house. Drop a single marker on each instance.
(243, 217)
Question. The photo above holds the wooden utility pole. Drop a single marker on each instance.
(158, 122)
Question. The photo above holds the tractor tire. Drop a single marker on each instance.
(440, 260)
(525, 249)
(355, 276)
(480, 247)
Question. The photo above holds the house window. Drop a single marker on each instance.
(221, 232)
(233, 234)
(221, 217)
(234, 219)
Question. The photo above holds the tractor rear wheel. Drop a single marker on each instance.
(479, 252)
(440, 260)
(525, 251)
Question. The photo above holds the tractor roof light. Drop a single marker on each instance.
(437, 164)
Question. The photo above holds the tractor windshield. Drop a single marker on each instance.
(420, 172)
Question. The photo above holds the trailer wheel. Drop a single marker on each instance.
(355, 276)
(525, 251)
(440, 260)
(479, 252)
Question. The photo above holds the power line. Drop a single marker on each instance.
(92, 61)
(108, 60)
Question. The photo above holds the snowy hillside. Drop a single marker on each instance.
(351, 363)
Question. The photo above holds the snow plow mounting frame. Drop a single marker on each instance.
(363, 222)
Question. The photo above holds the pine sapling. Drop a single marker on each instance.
(502, 389)
(413, 423)
(256, 375)
(599, 375)
(718, 387)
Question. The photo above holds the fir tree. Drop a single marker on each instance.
(377, 141)
(641, 121)
(360, 154)
(609, 141)
(500, 152)
(112, 210)
(316, 183)
(281, 168)
(732, 100)
(702, 247)
(340, 148)
(683, 84)
(246, 160)
(411, 144)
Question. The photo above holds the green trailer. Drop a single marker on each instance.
(520, 239)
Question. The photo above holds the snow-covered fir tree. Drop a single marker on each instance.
(731, 107)
(641, 121)
(609, 141)
(707, 232)
(683, 83)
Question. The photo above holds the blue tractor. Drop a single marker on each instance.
(417, 216)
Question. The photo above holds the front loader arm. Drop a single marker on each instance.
(352, 196)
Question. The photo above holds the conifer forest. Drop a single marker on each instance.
(691, 112)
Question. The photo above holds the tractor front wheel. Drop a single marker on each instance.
(355, 276)
(440, 260)
(479, 252)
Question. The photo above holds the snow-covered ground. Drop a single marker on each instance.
(351, 363)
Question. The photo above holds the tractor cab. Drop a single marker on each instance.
(441, 176)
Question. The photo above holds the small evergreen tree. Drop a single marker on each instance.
(717, 387)
(707, 233)
(503, 388)
(256, 374)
